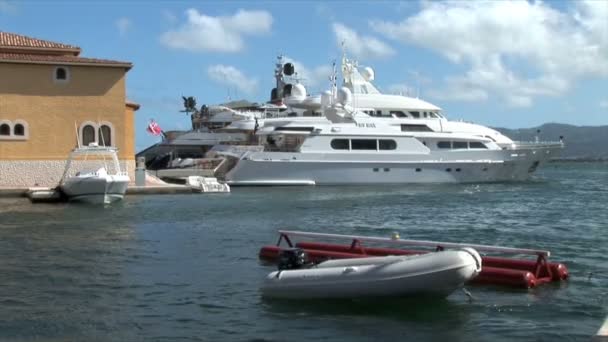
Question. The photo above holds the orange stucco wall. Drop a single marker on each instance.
(52, 109)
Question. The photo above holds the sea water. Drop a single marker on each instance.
(185, 267)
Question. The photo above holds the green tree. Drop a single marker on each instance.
(189, 105)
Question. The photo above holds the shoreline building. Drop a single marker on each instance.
(50, 96)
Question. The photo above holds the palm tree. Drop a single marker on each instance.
(189, 105)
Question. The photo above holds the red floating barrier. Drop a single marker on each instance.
(357, 249)
(504, 276)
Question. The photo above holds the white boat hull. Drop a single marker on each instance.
(435, 274)
(334, 169)
(94, 189)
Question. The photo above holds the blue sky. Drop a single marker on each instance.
(499, 63)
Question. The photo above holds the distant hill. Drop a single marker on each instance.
(582, 142)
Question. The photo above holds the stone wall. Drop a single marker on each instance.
(29, 173)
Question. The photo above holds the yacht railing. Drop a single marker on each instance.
(537, 144)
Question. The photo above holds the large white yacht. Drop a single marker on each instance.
(364, 136)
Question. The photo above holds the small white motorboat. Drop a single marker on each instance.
(206, 184)
(435, 274)
(99, 186)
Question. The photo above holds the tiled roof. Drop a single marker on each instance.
(11, 40)
(55, 59)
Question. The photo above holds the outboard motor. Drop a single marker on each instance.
(292, 259)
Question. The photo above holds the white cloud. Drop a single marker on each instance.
(123, 25)
(7, 7)
(362, 47)
(313, 78)
(604, 104)
(552, 49)
(231, 76)
(221, 34)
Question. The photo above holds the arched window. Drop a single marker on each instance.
(19, 130)
(105, 135)
(88, 135)
(5, 129)
(61, 74)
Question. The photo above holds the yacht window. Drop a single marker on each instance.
(398, 113)
(476, 144)
(444, 144)
(489, 137)
(378, 113)
(415, 128)
(433, 115)
(459, 144)
(363, 144)
(415, 114)
(363, 89)
(339, 144)
(5, 129)
(293, 128)
(386, 144)
(425, 114)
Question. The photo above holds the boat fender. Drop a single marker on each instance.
(475, 256)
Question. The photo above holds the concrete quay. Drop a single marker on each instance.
(132, 190)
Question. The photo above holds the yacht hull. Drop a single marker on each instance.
(332, 169)
(95, 190)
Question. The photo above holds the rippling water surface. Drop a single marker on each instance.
(185, 267)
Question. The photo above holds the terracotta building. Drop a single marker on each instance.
(49, 97)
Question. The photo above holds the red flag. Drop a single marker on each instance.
(154, 128)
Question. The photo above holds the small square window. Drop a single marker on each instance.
(376, 169)
(61, 74)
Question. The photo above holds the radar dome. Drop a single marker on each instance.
(273, 94)
(368, 73)
(298, 91)
(326, 99)
(344, 96)
(289, 69)
(287, 89)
